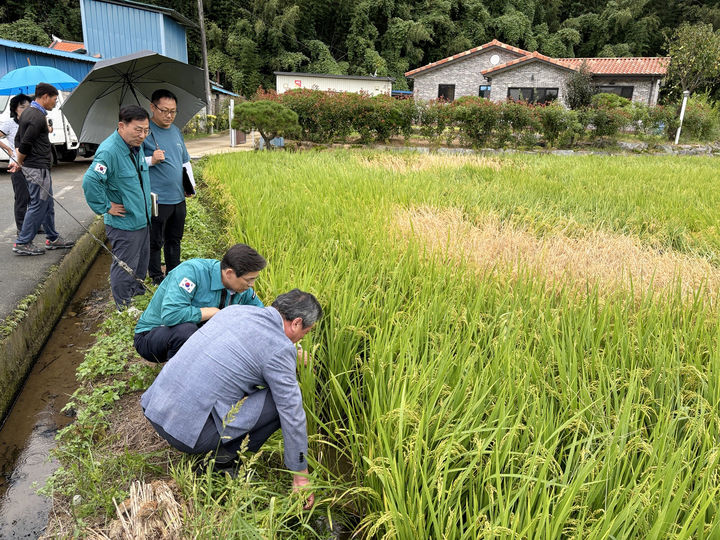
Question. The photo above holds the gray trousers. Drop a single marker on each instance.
(133, 248)
(209, 438)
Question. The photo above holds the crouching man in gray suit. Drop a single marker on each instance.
(206, 398)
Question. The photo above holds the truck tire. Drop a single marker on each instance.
(68, 155)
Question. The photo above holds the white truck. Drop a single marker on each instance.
(66, 146)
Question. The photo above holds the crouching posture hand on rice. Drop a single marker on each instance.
(235, 379)
(191, 294)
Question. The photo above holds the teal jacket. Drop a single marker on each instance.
(117, 175)
(191, 285)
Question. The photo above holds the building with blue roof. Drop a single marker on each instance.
(14, 54)
(113, 28)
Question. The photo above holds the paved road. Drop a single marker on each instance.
(19, 276)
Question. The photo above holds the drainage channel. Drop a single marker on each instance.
(28, 433)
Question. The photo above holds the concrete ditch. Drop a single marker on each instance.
(26, 330)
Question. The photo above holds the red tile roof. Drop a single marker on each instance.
(67, 46)
(597, 66)
(530, 56)
(493, 43)
(620, 66)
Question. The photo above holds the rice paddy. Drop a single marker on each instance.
(515, 347)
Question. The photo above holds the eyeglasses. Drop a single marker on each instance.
(250, 281)
(141, 131)
(167, 112)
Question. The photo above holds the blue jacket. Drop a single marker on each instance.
(117, 175)
(240, 349)
(191, 285)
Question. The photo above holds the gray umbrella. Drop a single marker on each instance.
(93, 107)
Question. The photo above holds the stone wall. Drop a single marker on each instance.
(529, 75)
(645, 88)
(464, 74)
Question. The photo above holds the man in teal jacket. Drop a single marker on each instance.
(191, 294)
(117, 185)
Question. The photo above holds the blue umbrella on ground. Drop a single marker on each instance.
(24, 79)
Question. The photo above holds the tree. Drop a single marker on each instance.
(25, 30)
(694, 56)
(270, 118)
(322, 61)
(579, 88)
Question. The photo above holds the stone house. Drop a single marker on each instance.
(498, 71)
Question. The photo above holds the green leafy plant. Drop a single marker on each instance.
(702, 119)
(270, 118)
(579, 88)
(605, 100)
(477, 119)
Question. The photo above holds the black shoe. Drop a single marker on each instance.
(27, 249)
(157, 280)
(59, 243)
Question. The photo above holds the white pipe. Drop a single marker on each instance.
(686, 93)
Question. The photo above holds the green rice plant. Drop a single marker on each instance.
(464, 404)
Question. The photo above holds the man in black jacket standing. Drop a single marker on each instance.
(34, 157)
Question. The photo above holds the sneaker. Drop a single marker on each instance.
(27, 249)
(59, 243)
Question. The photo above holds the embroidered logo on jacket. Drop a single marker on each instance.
(187, 285)
(99, 167)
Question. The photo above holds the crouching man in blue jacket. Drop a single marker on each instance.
(208, 397)
(191, 294)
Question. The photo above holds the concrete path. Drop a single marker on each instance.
(19, 276)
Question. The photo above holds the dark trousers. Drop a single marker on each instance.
(209, 439)
(160, 344)
(22, 197)
(41, 209)
(133, 248)
(166, 232)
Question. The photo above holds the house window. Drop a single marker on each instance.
(520, 94)
(484, 91)
(545, 95)
(622, 91)
(533, 95)
(446, 92)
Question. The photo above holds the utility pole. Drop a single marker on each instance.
(208, 97)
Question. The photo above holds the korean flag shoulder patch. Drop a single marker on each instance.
(99, 167)
(187, 285)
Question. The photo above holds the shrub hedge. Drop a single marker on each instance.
(327, 117)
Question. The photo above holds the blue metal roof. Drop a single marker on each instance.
(159, 9)
(221, 90)
(14, 54)
(46, 50)
(114, 28)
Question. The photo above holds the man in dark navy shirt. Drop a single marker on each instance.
(34, 157)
